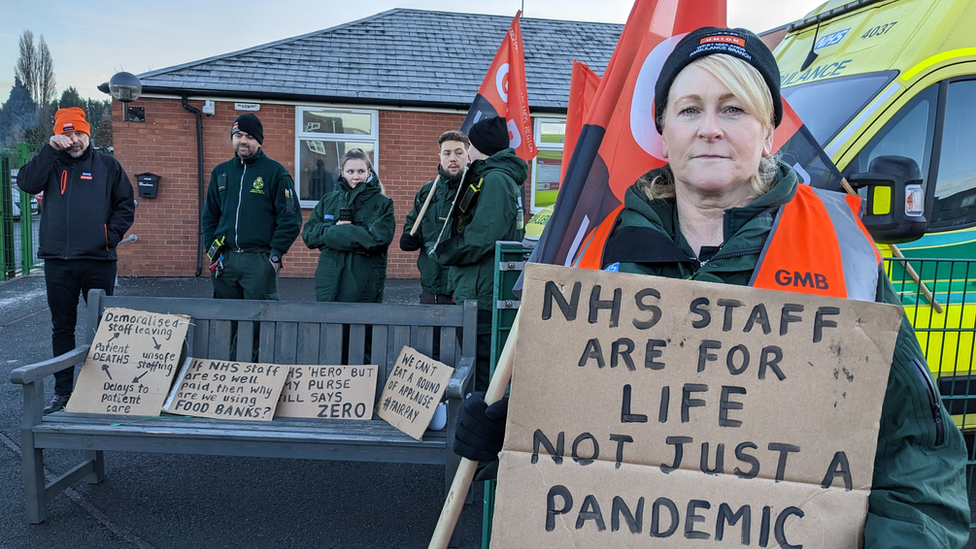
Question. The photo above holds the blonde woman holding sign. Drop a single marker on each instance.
(726, 210)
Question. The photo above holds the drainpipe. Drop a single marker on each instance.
(199, 117)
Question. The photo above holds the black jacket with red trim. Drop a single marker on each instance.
(87, 207)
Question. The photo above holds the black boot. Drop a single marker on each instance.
(57, 404)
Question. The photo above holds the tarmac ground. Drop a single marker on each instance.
(151, 500)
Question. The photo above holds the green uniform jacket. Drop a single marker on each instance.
(252, 203)
(352, 263)
(433, 275)
(468, 244)
(918, 498)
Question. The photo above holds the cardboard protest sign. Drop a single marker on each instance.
(413, 391)
(335, 392)
(696, 414)
(226, 390)
(130, 366)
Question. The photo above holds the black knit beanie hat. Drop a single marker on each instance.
(490, 135)
(706, 41)
(250, 124)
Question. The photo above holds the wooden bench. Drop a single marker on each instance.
(288, 333)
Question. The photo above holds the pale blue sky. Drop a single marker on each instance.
(92, 40)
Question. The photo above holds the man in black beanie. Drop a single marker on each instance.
(488, 208)
(251, 217)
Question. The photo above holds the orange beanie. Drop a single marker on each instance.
(71, 119)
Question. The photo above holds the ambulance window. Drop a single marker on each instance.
(909, 133)
(826, 106)
(955, 185)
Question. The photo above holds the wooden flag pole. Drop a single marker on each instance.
(918, 280)
(423, 209)
(466, 468)
(908, 267)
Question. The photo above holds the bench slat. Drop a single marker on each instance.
(401, 337)
(380, 357)
(288, 340)
(200, 344)
(294, 311)
(425, 340)
(332, 344)
(309, 351)
(357, 340)
(331, 448)
(266, 343)
(449, 348)
(223, 336)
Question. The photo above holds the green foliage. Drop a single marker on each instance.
(102, 138)
(18, 115)
(71, 98)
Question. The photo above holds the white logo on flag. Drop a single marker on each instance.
(501, 82)
(642, 109)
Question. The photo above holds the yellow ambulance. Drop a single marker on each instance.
(879, 82)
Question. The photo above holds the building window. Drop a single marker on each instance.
(549, 136)
(323, 136)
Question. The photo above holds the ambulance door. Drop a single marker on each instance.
(935, 128)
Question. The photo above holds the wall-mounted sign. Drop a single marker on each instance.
(247, 106)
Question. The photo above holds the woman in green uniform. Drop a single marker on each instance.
(352, 227)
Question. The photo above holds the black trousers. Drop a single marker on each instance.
(429, 298)
(65, 279)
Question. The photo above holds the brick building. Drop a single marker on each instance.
(389, 83)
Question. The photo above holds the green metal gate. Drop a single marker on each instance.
(939, 296)
(19, 222)
(509, 261)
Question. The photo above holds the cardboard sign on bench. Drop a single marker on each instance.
(227, 390)
(335, 392)
(130, 366)
(701, 414)
(413, 391)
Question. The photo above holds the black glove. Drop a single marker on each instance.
(409, 242)
(480, 428)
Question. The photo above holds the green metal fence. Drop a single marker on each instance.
(19, 222)
(509, 261)
(939, 296)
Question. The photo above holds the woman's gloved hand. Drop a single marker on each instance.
(480, 428)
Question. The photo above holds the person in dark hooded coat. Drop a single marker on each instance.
(353, 228)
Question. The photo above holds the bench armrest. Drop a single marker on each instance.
(457, 385)
(32, 372)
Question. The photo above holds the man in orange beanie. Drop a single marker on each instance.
(87, 209)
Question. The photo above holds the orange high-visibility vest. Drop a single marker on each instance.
(817, 245)
(590, 255)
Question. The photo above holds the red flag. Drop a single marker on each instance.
(503, 93)
(582, 89)
(619, 142)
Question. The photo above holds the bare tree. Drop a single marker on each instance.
(26, 67)
(45, 70)
(35, 68)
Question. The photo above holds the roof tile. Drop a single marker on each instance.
(400, 55)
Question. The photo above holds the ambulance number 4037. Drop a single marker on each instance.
(879, 30)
